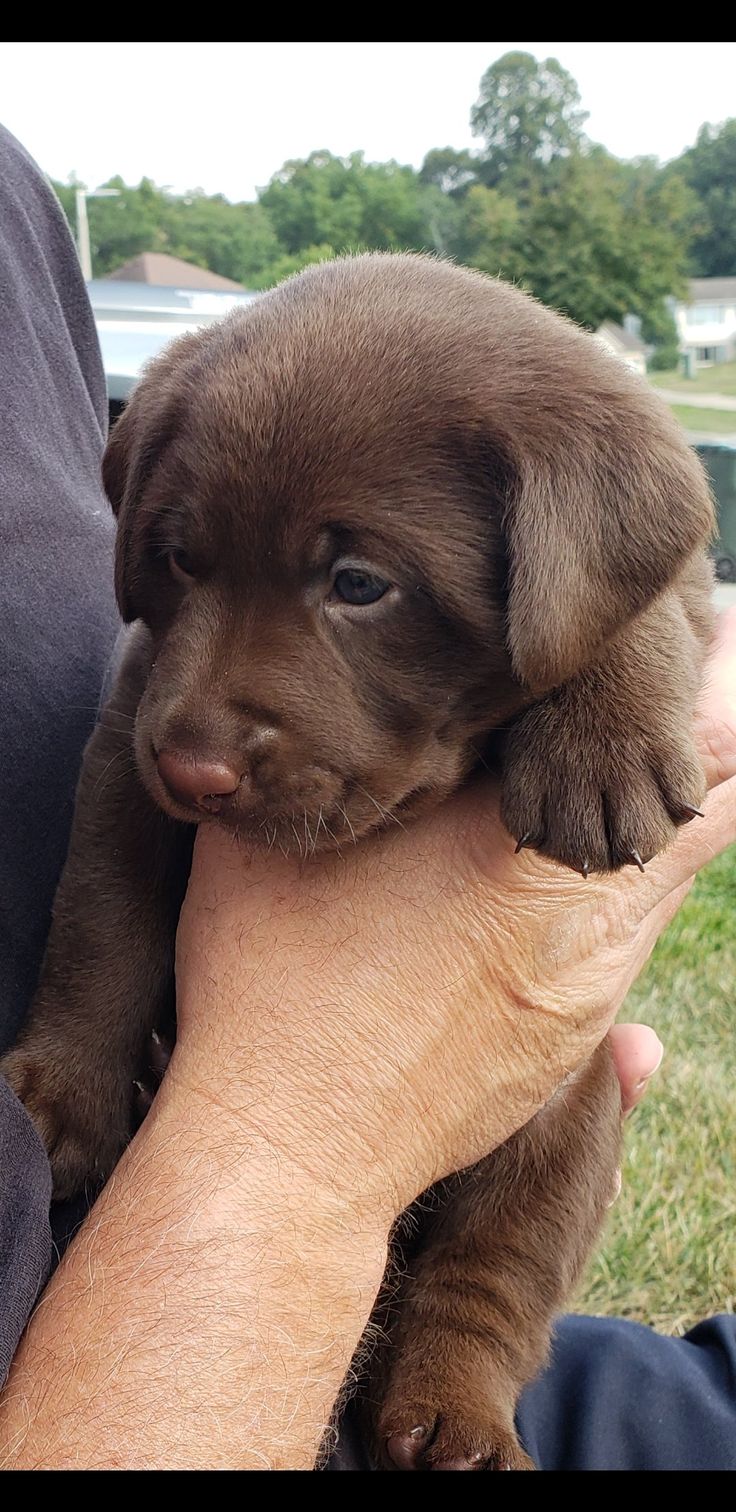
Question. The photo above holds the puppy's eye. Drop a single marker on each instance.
(181, 565)
(352, 586)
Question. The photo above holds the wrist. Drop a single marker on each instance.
(258, 1161)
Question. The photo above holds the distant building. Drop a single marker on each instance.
(166, 272)
(625, 342)
(136, 320)
(706, 324)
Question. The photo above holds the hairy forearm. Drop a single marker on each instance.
(204, 1317)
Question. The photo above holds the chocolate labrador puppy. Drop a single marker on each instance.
(393, 518)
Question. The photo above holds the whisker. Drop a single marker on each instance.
(385, 813)
(346, 817)
(333, 837)
(478, 756)
(118, 776)
(124, 751)
(296, 837)
(104, 709)
(312, 839)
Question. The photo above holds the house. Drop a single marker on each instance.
(706, 324)
(166, 272)
(136, 320)
(625, 342)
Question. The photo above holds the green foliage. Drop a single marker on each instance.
(709, 171)
(488, 234)
(589, 234)
(289, 263)
(668, 1257)
(236, 241)
(664, 359)
(448, 170)
(526, 113)
(346, 203)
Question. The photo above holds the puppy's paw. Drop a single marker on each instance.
(158, 1054)
(438, 1399)
(439, 1411)
(84, 1138)
(417, 1439)
(596, 798)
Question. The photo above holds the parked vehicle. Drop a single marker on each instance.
(135, 321)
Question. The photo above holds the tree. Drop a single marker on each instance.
(119, 227)
(527, 113)
(288, 263)
(488, 232)
(346, 203)
(596, 241)
(709, 171)
(448, 170)
(236, 241)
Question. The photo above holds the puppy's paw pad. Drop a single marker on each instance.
(455, 1443)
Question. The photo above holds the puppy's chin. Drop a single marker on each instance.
(303, 832)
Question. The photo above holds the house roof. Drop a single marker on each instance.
(170, 273)
(712, 290)
(626, 341)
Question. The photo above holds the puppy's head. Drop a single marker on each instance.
(365, 520)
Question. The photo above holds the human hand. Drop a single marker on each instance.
(382, 1018)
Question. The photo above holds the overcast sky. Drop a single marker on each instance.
(224, 116)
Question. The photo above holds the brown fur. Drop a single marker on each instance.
(541, 523)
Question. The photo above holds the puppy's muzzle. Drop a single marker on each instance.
(197, 782)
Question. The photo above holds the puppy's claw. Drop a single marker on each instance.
(143, 1100)
(689, 808)
(522, 842)
(585, 870)
(636, 859)
(405, 1449)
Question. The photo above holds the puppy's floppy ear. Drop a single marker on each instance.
(606, 503)
(115, 461)
(136, 445)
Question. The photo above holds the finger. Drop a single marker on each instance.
(715, 719)
(641, 900)
(698, 843)
(637, 1054)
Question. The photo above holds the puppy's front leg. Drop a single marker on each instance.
(599, 773)
(108, 971)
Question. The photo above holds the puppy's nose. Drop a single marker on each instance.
(192, 780)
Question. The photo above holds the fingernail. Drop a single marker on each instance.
(640, 1085)
(617, 1192)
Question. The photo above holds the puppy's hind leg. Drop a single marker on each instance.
(496, 1261)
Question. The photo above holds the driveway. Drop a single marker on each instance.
(698, 400)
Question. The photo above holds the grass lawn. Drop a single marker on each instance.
(718, 379)
(669, 1254)
(720, 422)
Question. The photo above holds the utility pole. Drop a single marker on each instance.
(83, 244)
